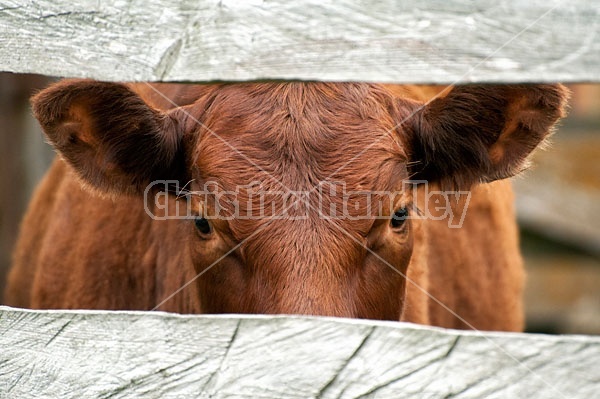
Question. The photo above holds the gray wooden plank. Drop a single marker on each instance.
(433, 41)
(97, 354)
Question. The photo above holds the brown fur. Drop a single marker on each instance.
(95, 247)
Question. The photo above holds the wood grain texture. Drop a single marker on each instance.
(433, 41)
(93, 354)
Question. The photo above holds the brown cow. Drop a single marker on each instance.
(88, 242)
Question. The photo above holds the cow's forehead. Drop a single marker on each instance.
(299, 135)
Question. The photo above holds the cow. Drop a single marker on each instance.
(97, 234)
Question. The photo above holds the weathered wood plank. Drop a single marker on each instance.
(433, 41)
(91, 354)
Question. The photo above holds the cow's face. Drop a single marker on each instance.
(309, 177)
(296, 191)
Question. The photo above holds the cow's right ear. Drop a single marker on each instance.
(115, 142)
(481, 133)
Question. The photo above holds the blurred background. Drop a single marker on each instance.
(558, 202)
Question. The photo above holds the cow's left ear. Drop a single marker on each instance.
(115, 142)
(481, 133)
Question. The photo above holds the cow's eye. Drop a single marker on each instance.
(202, 225)
(399, 218)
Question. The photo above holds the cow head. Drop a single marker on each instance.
(304, 246)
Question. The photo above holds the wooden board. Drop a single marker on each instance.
(95, 354)
(433, 41)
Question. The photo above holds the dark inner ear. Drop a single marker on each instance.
(112, 138)
(482, 133)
